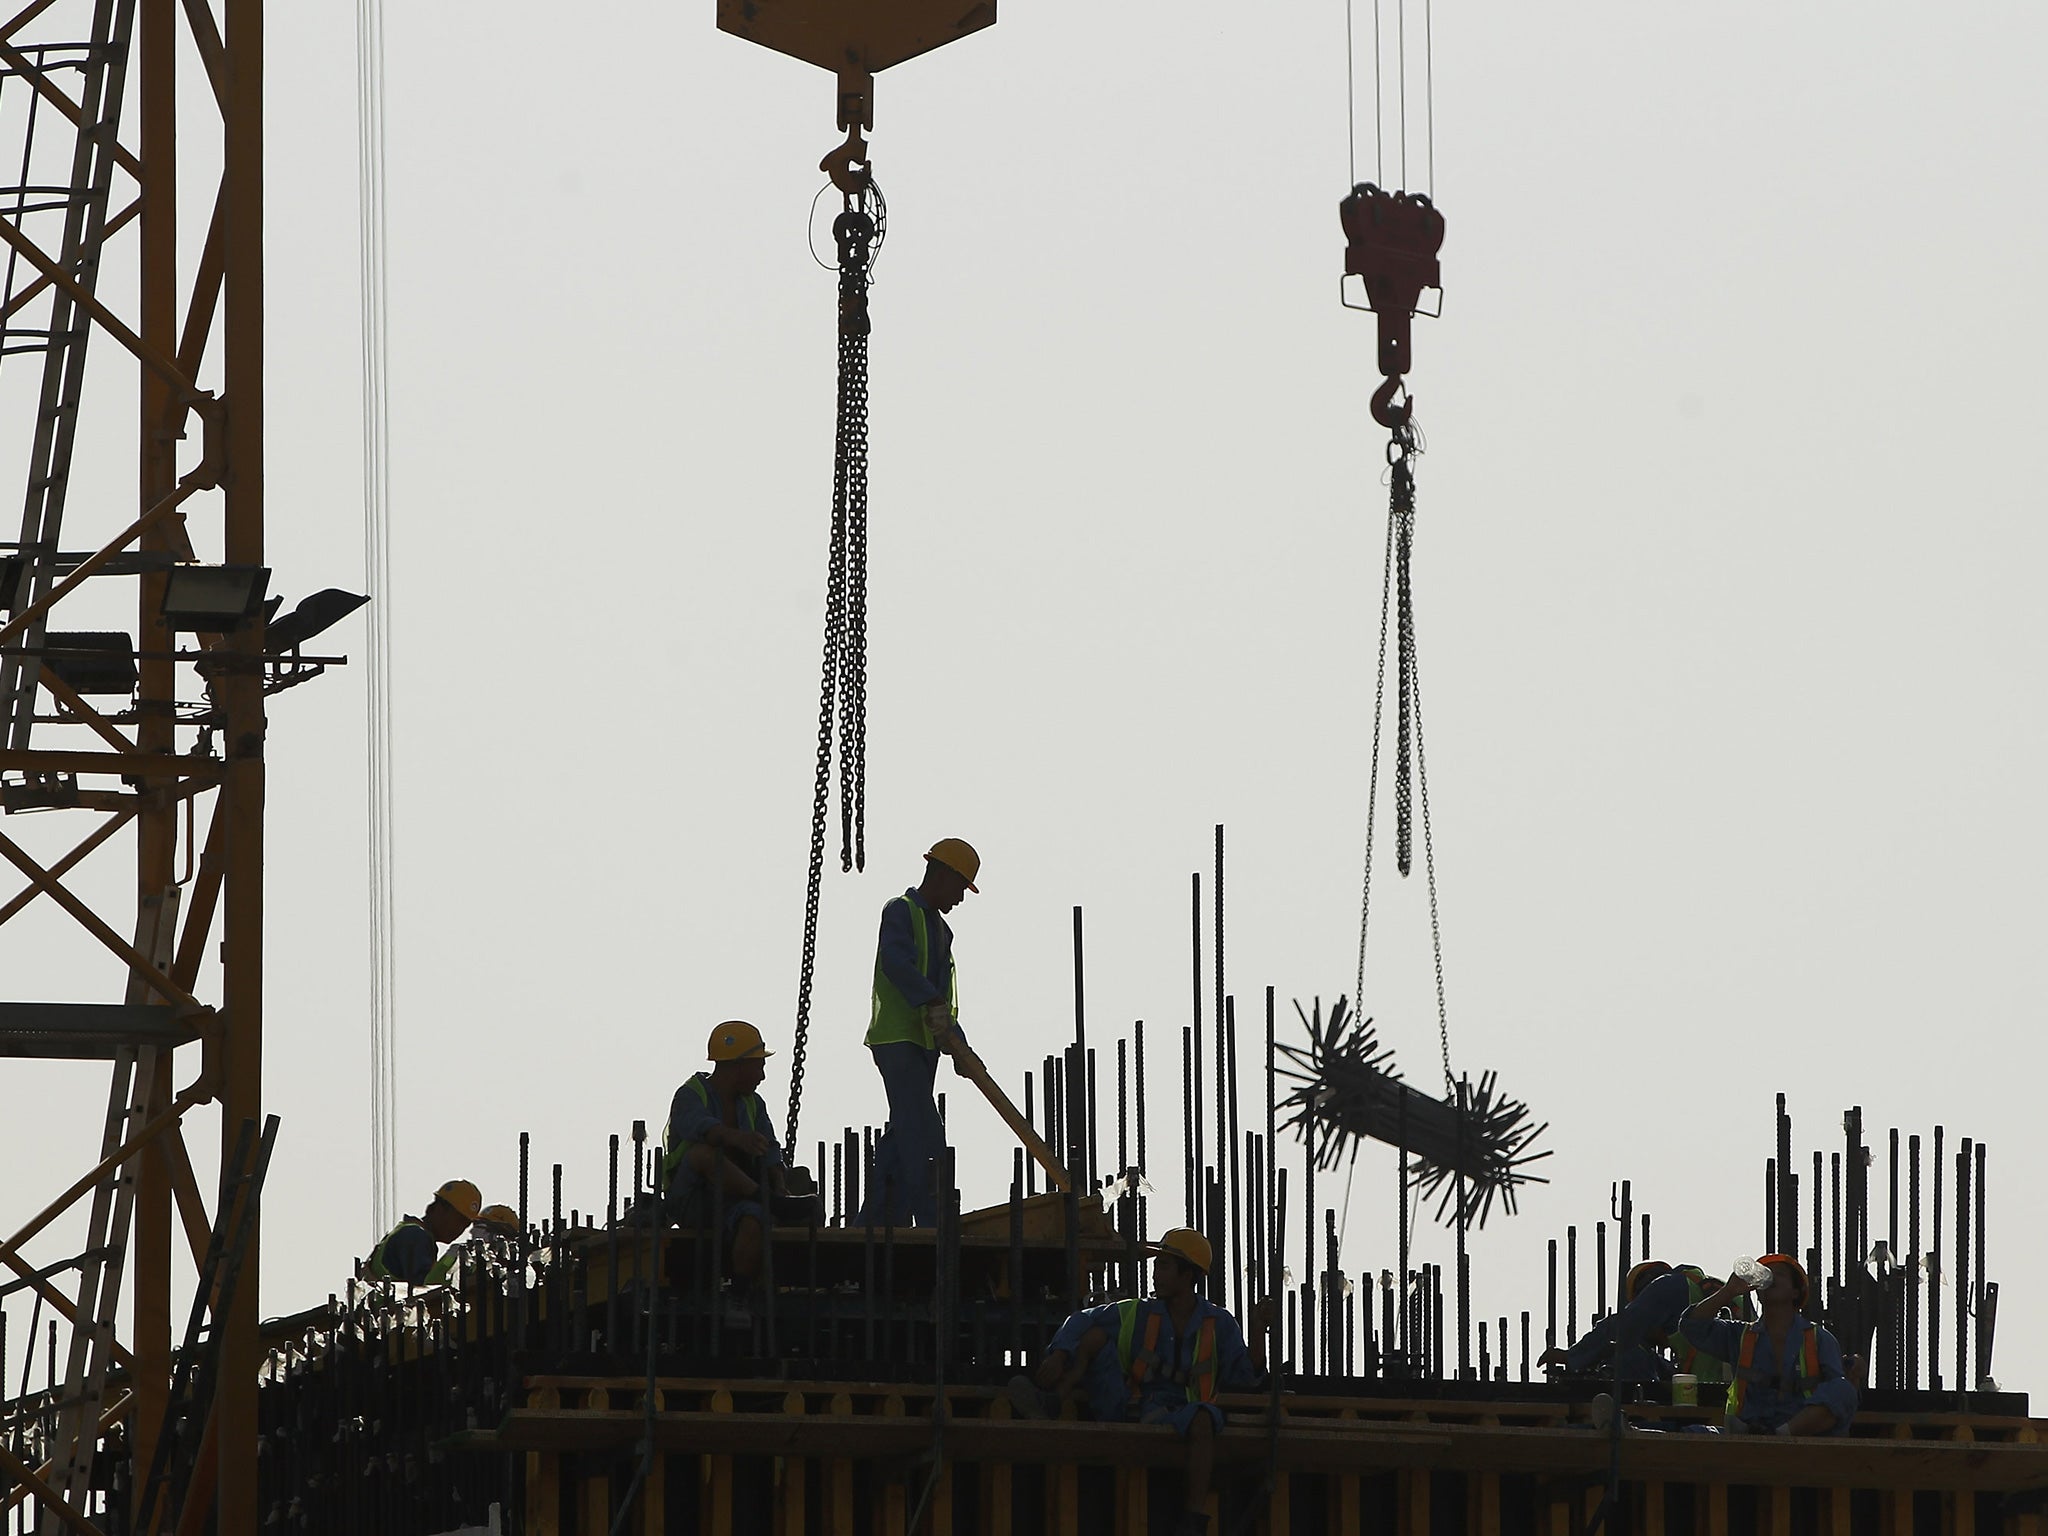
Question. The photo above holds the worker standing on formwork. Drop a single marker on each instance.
(1161, 1360)
(1655, 1296)
(915, 1009)
(410, 1251)
(1788, 1371)
(719, 1136)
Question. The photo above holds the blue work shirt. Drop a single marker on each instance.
(1109, 1394)
(1626, 1334)
(896, 953)
(691, 1118)
(410, 1251)
(1776, 1392)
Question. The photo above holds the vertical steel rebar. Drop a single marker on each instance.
(1934, 1267)
(1913, 1264)
(1978, 1298)
(1550, 1325)
(1235, 1162)
(1961, 1282)
(1196, 1139)
(1787, 1238)
(1571, 1286)
(1599, 1270)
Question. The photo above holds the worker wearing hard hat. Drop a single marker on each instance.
(1788, 1376)
(1162, 1360)
(411, 1252)
(914, 1009)
(719, 1144)
(1626, 1343)
(498, 1221)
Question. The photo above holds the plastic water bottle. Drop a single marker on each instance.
(1752, 1274)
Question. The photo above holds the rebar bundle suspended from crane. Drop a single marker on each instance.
(1347, 1093)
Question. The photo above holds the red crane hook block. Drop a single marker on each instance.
(1391, 242)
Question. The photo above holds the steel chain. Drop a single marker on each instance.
(842, 681)
(1411, 768)
(1403, 511)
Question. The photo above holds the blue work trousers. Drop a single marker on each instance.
(903, 1191)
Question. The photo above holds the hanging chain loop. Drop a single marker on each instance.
(843, 671)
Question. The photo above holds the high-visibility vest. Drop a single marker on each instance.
(1141, 1358)
(1807, 1365)
(673, 1152)
(1689, 1359)
(373, 1266)
(891, 1019)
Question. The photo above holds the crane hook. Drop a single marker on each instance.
(1385, 411)
(849, 166)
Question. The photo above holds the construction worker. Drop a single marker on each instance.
(1788, 1377)
(1161, 1360)
(498, 1221)
(410, 1251)
(1654, 1296)
(719, 1131)
(915, 1010)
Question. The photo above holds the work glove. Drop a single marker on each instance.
(938, 1018)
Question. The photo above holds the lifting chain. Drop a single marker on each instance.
(843, 672)
(1411, 765)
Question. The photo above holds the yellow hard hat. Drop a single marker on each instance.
(736, 1040)
(958, 857)
(1187, 1245)
(501, 1218)
(462, 1197)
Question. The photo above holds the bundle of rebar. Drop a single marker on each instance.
(1466, 1150)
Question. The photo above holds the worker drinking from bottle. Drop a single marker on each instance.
(1788, 1370)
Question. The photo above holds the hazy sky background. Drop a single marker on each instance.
(1726, 568)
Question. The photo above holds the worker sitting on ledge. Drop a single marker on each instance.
(1788, 1377)
(409, 1250)
(914, 1010)
(718, 1130)
(1655, 1296)
(1157, 1361)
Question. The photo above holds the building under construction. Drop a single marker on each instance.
(600, 1372)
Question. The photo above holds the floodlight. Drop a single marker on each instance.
(213, 599)
(92, 662)
(323, 610)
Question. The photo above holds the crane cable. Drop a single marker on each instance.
(1397, 597)
(377, 580)
(843, 672)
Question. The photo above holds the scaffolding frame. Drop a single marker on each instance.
(200, 499)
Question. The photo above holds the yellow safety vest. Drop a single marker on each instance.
(673, 1152)
(891, 1019)
(373, 1267)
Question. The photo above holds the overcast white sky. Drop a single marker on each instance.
(1727, 565)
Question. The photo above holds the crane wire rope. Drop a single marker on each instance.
(1378, 91)
(376, 336)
